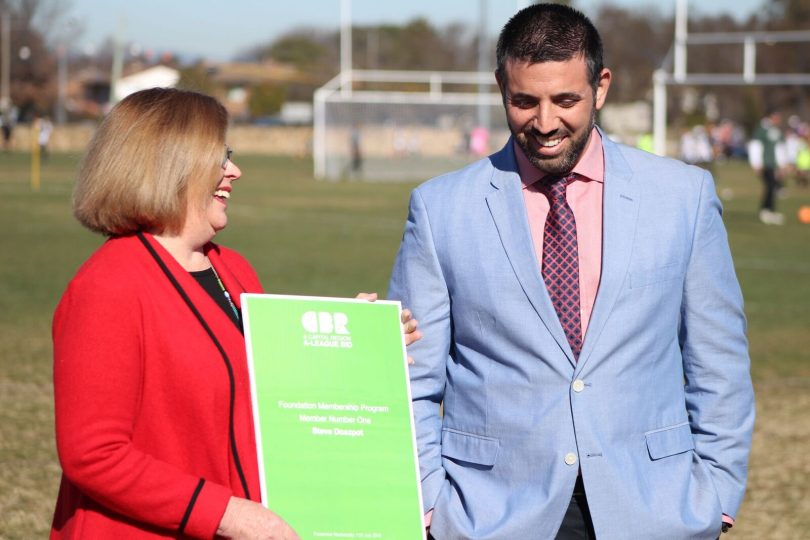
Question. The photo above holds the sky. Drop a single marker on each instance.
(219, 30)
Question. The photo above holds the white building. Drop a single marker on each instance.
(161, 76)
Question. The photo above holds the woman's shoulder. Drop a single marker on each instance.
(111, 265)
(115, 252)
(106, 284)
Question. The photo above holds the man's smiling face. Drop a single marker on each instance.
(551, 109)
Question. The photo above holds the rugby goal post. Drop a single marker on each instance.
(395, 125)
(674, 70)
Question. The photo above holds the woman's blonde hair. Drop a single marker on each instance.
(157, 151)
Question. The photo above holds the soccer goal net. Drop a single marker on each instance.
(403, 125)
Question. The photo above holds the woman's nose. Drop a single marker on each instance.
(232, 171)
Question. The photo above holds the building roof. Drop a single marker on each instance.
(241, 73)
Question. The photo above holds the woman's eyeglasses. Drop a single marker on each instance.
(227, 157)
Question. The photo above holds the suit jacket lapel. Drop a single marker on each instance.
(508, 210)
(620, 205)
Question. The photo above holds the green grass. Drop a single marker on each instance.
(336, 239)
(773, 266)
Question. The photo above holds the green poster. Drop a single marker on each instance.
(334, 429)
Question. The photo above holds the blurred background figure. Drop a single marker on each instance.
(645, 142)
(728, 139)
(795, 144)
(7, 120)
(696, 148)
(766, 154)
(44, 136)
(803, 156)
(479, 141)
(356, 151)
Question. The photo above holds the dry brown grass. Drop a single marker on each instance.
(777, 503)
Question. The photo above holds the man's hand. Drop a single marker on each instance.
(409, 324)
(728, 522)
(248, 520)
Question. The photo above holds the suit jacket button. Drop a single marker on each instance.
(570, 458)
(578, 385)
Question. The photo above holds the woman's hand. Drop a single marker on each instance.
(248, 520)
(409, 324)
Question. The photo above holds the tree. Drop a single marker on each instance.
(633, 61)
(793, 58)
(266, 100)
(196, 77)
(37, 28)
(417, 45)
(299, 49)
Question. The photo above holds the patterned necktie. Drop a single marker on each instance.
(561, 258)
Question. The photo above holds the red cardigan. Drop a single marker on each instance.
(143, 397)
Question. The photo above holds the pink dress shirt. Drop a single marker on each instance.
(584, 196)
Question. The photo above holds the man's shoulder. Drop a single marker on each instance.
(643, 162)
(760, 133)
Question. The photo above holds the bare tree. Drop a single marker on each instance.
(37, 27)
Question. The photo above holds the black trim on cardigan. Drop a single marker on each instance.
(184, 521)
(210, 333)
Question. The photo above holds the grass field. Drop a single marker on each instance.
(306, 237)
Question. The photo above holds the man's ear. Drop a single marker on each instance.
(500, 81)
(602, 87)
(500, 78)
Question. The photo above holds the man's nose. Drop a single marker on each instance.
(545, 119)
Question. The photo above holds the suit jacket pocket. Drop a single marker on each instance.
(669, 441)
(642, 278)
(477, 449)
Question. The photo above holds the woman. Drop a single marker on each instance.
(153, 411)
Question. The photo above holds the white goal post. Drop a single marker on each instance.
(674, 70)
(393, 125)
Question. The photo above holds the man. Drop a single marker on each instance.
(589, 354)
(44, 137)
(765, 154)
(7, 120)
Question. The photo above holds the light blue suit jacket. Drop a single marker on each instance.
(658, 412)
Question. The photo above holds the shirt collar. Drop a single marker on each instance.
(591, 165)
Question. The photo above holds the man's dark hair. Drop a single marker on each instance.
(550, 33)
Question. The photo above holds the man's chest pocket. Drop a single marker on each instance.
(646, 277)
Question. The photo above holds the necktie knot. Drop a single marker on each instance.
(554, 187)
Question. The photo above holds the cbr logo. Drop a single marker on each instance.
(323, 322)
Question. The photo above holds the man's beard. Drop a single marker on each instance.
(561, 164)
